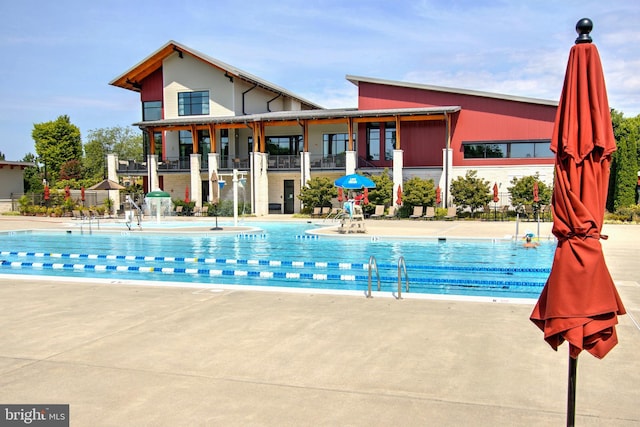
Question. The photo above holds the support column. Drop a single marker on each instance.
(112, 174)
(445, 178)
(152, 172)
(398, 166)
(350, 162)
(260, 184)
(196, 180)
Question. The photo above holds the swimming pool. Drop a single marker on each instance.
(283, 255)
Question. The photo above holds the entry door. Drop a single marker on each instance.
(289, 199)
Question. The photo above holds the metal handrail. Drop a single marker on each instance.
(402, 265)
(372, 262)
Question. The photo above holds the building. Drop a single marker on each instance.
(201, 116)
(12, 179)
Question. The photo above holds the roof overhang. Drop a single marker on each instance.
(408, 114)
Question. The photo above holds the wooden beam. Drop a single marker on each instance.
(194, 138)
(397, 132)
(152, 141)
(213, 141)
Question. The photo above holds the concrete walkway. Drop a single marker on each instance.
(124, 355)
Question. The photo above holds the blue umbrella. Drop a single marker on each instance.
(354, 182)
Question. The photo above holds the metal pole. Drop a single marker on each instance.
(571, 392)
(235, 197)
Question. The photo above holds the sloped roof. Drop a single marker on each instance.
(357, 79)
(131, 78)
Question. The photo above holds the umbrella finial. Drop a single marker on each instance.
(583, 28)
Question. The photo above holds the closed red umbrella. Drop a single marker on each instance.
(536, 195)
(579, 302)
(496, 199)
(67, 192)
(47, 193)
(186, 195)
(82, 193)
(399, 199)
(365, 199)
(438, 196)
(340, 194)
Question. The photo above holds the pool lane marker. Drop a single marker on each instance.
(275, 263)
(440, 282)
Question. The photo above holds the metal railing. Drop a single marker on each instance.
(373, 264)
(402, 266)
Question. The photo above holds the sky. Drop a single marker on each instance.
(59, 57)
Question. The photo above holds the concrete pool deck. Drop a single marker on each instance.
(130, 355)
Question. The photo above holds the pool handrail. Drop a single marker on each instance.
(372, 263)
(402, 265)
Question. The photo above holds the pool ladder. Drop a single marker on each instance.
(402, 267)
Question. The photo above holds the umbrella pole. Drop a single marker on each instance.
(571, 392)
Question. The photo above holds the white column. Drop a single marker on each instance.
(445, 178)
(196, 180)
(152, 172)
(398, 166)
(350, 162)
(112, 174)
(260, 184)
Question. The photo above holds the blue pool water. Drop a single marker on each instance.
(282, 254)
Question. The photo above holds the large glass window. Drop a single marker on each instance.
(373, 141)
(152, 110)
(157, 141)
(389, 140)
(507, 149)
(335, 143)
(186, 145)
(284, 144)
(193, 103)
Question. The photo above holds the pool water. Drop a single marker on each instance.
(284, 255)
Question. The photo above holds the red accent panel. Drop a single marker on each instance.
(480, 119)
(152, 87)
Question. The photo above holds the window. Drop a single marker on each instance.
(152, 110)
(284, 144)
(373, 141)
(507, 149)
(186, 146)
(157, 140)
(335, 143)
(193, 103)
(389, 140)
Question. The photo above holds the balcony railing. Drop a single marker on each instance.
(275, 162)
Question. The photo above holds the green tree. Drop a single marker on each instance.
(2, 156)
(624, 166)
(57, 142)
(521, 191)
(318, 192)
(32, 176)
(126, 143)
(382, 194)
(417, 192)
(470, 191)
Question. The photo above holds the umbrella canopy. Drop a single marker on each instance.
(399, 199)
(438, 195)
(158, 193)
(496, 199)
(107, 184)
(579, 302)
(536, 192)
(354, 182)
